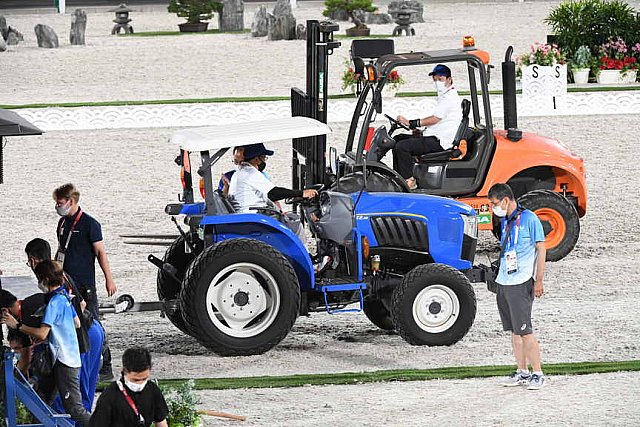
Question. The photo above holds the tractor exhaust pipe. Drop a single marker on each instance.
(509, 96)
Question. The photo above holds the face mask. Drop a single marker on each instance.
(42, 287)
(135, 387)
(498, 211)
(64, 209)
(262, 166)
(441, 87)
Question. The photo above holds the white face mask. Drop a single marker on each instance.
(42, 287)
(440, 86)
(135, 387)
(64, 209)
(498, 211)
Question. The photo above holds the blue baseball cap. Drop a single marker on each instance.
(256, 150)
(441, 70)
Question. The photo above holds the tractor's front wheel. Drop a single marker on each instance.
(435, 305)
(559, 218)
(240, 297)
(378, 313)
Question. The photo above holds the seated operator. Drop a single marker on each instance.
(249, 188)
(440, 127)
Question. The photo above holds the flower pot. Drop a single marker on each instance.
(193, 27)
(629, 76)
(389, 91)
(580, 76)
(358, 32)
(609, 77)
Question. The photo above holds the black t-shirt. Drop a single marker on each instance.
(112, 409)
(79, 261)
(32, 309)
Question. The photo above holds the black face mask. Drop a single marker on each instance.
(262, 166)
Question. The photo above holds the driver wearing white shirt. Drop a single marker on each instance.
(249, 188)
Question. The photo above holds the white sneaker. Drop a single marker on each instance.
(516, 379)
(536, 383)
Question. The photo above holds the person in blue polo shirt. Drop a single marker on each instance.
(58, 327)
(522, 258)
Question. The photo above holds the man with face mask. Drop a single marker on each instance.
(440, 126)
(80, 243)
(132, 400)
(519, 279)
(250, 188)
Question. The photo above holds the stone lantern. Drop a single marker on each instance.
(403, 19)
(122, 20)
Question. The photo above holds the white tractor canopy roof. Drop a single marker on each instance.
(235, 134)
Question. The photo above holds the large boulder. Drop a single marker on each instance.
(339, 15)
(415, 5)
(260, 25)
(232, 16)
(47, 38)
(78, 27)
(3, 45)
(377, 18)
(282, 23)
(4, 30)
(13, 38)
(301, 32)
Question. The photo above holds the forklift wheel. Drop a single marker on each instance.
(240, 297)
(379, 315)
(434, 305)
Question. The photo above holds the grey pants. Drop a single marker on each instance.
(64, 380)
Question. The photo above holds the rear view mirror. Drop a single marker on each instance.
(333, 160)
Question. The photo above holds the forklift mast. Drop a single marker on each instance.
(309, 164)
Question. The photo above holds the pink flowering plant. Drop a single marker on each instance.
(615, 55)
(542, 54)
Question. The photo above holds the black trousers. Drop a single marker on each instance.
(64, 380)
(408, 147)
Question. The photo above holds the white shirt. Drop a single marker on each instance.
(249, 188)
(449, 111)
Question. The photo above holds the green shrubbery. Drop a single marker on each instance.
(352, 7)
(194, 10)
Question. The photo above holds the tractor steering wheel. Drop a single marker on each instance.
(396, 124)
(302, 200)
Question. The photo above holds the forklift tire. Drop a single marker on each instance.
(240, 297)
(559, 219)
(377, 312)
(167, 287)
(435, 305)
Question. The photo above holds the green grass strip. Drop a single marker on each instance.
(449, 373)
(178, 33)
(265, 99)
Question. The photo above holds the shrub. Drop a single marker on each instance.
(582, 58)
(181, 401)
(591, 23)
(351, 7)
(194, 10)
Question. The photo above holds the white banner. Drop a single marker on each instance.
(539, 80)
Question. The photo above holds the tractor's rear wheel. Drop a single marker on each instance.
(377, 312)
(559, 219)
(168, 288)
(240, 297)
(435, 305)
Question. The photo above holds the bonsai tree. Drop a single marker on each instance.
(194, 11)
(354, 8)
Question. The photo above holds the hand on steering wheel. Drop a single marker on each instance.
(396, 123)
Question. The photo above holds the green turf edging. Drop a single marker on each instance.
(449, 373)
(178, 33)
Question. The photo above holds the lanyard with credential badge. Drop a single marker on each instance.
(507, 229)
(73, 227)
(131, 403)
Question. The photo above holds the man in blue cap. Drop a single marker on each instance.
(439, 128)
(249, 188)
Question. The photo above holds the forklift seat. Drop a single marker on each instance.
(459, 148)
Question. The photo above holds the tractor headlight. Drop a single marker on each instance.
(470, 225)
(325, 204)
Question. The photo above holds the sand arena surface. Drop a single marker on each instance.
(126, 177)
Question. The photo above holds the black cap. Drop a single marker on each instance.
(441, 70)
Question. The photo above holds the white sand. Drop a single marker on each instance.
(127, 176)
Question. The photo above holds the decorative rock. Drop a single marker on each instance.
(259, 27)
(231, 18)
(13, 39)
(396, 5)
(15, 34)
(301, 32)
(339, 15)
(46, 36)
(4, 30)
(377, 18)
(282, 23)
(3, 45)
(78, 27)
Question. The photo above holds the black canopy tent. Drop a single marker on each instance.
(12, 124)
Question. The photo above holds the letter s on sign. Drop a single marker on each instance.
(535, 72)
(557, 71)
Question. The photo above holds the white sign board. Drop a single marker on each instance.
(538, 80)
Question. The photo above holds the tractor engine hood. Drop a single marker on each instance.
(410, 204)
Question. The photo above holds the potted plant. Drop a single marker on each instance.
(580, 65)
(542, 55)
(195, 11)
(394, 81)
(181, 401)
(355, 10)
(615, 65)
(350, 80)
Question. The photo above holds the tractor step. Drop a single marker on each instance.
(325, 289)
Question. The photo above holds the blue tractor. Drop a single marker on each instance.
(238, 281)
